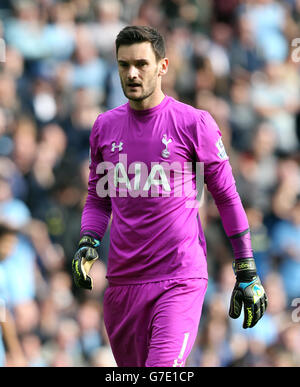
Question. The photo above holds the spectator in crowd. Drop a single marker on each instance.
(286, 246)
(8, 330)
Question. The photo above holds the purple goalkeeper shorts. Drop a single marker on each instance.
(153, 324)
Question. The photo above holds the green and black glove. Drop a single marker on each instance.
(83, 261)
(248, 290)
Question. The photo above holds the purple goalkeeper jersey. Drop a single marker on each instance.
(138, 161)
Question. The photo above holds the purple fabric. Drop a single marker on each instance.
(242, 246)
(153, 324)
(159, 238)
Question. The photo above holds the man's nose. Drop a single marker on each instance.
(132, 72)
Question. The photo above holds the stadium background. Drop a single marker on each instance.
(235, 59)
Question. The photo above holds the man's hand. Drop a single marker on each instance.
(83, 261)
(248, 290)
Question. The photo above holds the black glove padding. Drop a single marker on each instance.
(83, 261)
(248, 290)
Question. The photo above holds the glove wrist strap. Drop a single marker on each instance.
(245, 269)
(87, 240)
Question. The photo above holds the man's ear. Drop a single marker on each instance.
(163, 66)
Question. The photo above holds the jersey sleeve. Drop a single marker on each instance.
(97, 210)
(221, 184)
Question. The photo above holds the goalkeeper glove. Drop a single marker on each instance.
(83, 261)
(248, 290)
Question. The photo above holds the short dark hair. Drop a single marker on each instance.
(138, 34)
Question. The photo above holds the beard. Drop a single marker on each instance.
(141, 97)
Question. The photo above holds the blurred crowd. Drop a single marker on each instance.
(234, 58)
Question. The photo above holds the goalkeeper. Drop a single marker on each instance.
(157, 269)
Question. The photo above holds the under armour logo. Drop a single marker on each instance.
(165, 153)
(114, 146)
